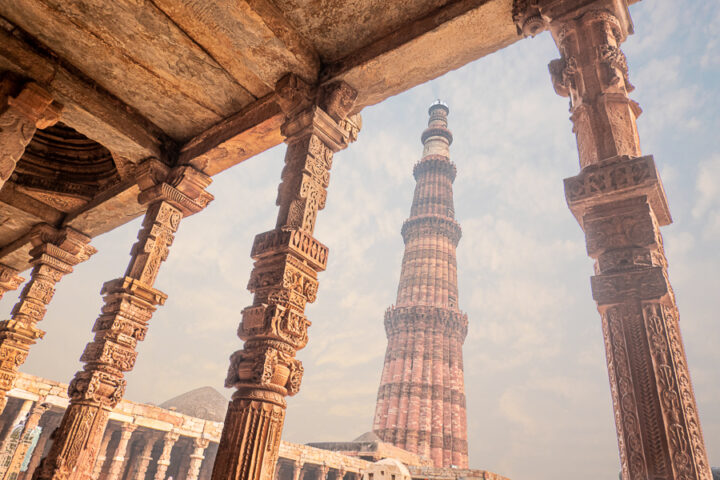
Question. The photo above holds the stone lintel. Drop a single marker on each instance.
(617, 179)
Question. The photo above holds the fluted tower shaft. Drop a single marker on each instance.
(421, 400)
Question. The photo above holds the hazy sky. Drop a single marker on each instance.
(539, 405)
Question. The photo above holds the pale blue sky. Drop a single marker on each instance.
(538, 399)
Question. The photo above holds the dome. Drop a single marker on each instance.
(395, 463)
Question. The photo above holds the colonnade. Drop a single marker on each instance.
(141, 442)
(617, 198)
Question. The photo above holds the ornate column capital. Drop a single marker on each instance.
(9, 279)
(532, 17)
(184, 187)
(24, 107)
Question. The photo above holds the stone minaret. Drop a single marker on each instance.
(421, 400)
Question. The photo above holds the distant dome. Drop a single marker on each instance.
(395, 463)
(205, 402)
(368, 437)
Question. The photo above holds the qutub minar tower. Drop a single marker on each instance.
(421, 400)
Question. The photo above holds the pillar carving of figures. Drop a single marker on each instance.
(23, 109)
(196, 458)
(129, 304)
(283, 280)
(118, 461)
(49, 423)
(9, 279)
(145, 457)
(54, 253)
(31, 423)
(619, 201)
(164, 460)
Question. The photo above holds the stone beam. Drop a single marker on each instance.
(252, 130)
(88, 108)
(250, 39)
(445, 39)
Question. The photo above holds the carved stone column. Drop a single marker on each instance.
(323, 471)
(31, 423)
(48, 424)
(9, 279)
(54, 254)
(129, 304)
(196, 458)
(23, 109)
(283, 280)
(102, 454)
(164, 460)
(619, 201)
(145, 458)
(297, 469)
(118, 461)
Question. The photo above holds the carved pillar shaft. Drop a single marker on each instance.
(619, 201)
(164, 460)
(53, 256)
(196, 458)
(9, 279)
(297, 469)
(129, 304)
(118, 461)
(323, 471)
(283, 280)
(144, 458)
(23, 109)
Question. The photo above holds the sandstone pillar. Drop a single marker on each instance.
(323, 471)
(54, 253)
(164, 460)
(284, 279)
(196, 458)
(31, 423)
(49, 423)
(619, 201)
(23, 109)
(102, 454)
(118, 461)
(129, 304)
(144, 458)
(9, 279)
(297, 469)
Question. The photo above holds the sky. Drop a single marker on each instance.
(538, 400)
